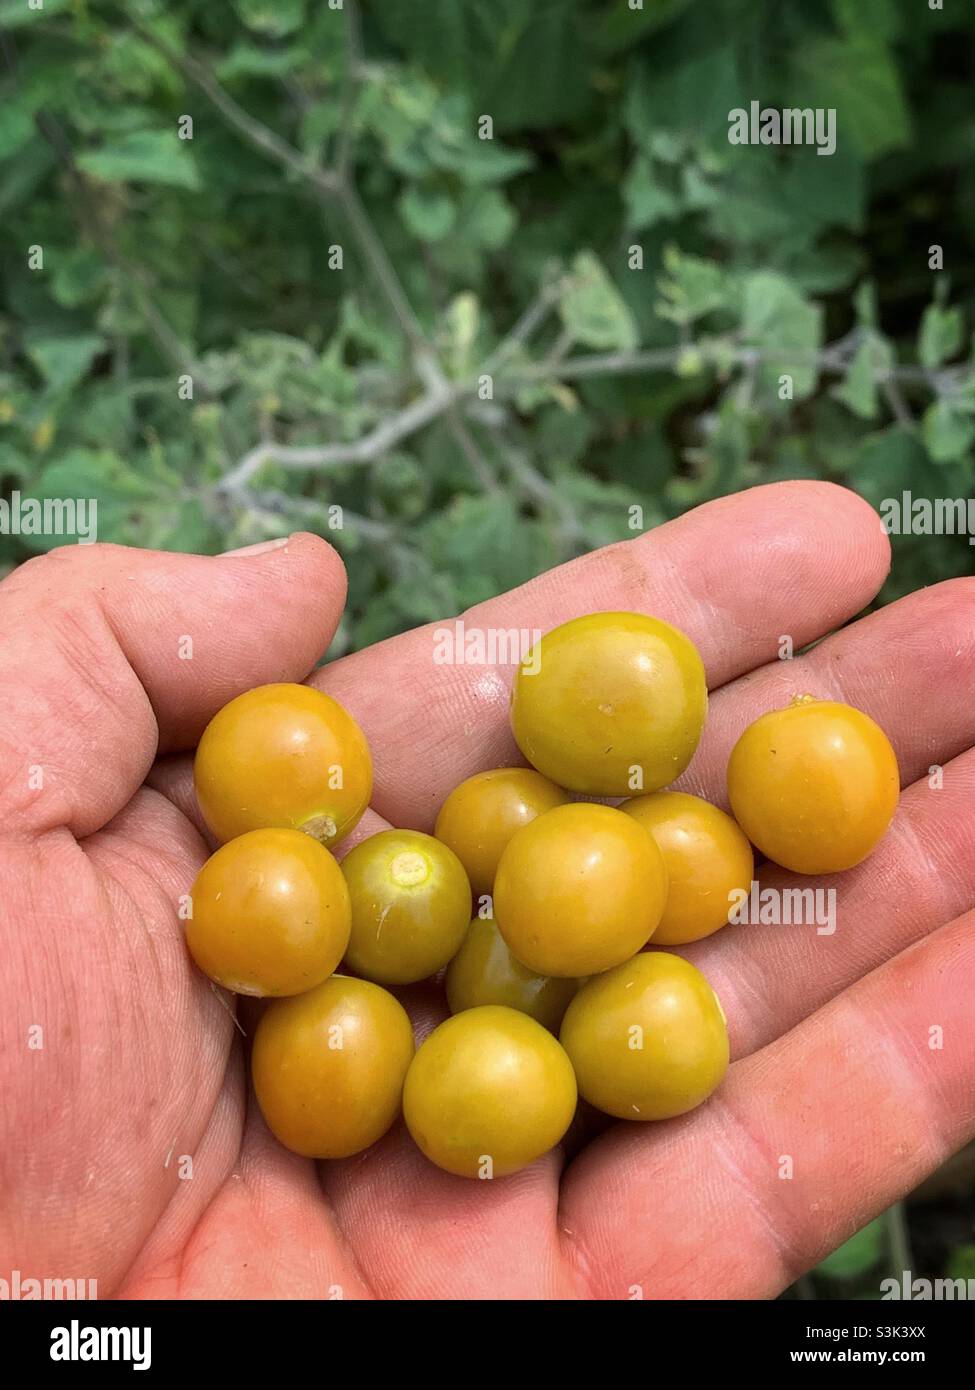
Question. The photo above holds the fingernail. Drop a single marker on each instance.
(261, 548)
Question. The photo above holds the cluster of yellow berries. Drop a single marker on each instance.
(538, 905)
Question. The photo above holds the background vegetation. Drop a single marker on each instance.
(334, 260)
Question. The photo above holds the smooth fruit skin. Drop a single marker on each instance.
(328, 1067)
(485, 972)
(271, 914)
(488, 1092)
(480, 816)
(708, 859)
(606, 694)
(648, 1040)
(579, 890)
(274, 757)
(411, 905)
(814, 785)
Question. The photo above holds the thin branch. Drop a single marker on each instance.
(538, 486)
(366, 449)
(282, 503)
(330, 185)
(899, 1238)
(479, 464)
(532, 319)
(386, 277)
(262, 137)
(558, 352)
(353, 64)
(828, 360)
(94, 223)
(895, 399)
(327, 183)
(601, 364)
(442, 397)
(272, 507)
(437, 401)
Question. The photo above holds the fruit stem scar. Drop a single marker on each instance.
(321, 827)
(409, 868)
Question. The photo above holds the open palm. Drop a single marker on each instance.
(854, 1053)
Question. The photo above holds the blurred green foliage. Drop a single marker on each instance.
(908, 1244)
(309, 308)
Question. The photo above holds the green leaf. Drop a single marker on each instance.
(751, 211)
(14, 14)
(484, 545)
(25, 171)
(949, 431)
(697, 189)
(888, 463)
(785, 327)
(401, 487)
(177, 523)
(942, 334)
(646, 199)
(448, 38)
(107, 420)
(64, 361)
(873, 357)
(428, 213)
(692, 288)
(618, 27)
(824, 271)
(666, 146)
(858, 1255)
(144, 156)
(128, 65)
(725, 455)
(486, 219)
(78, 276)
(525, 65)
(13, 465)
(16, 129)
(858, 78)
(544, 80)
(961, 1265)
(825, 191)
(274, 17)
(865, 304)
(593, 310)
(692, 97)
(879, 19)
(99, 477)
(246, 60)
(488, 161)
(461, 320)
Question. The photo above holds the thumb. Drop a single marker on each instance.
(116, 654)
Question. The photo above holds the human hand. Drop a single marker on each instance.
(141, 1064)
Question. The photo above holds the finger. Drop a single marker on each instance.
(266, 1233)
(172, 777)
(161, 1268)
(914, 656)
(733, 574)
(918, 654)
(419, 1232)
(771, 975)
(805, 1142)
(444, 1237)
(125, 1026)
(114, 652)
